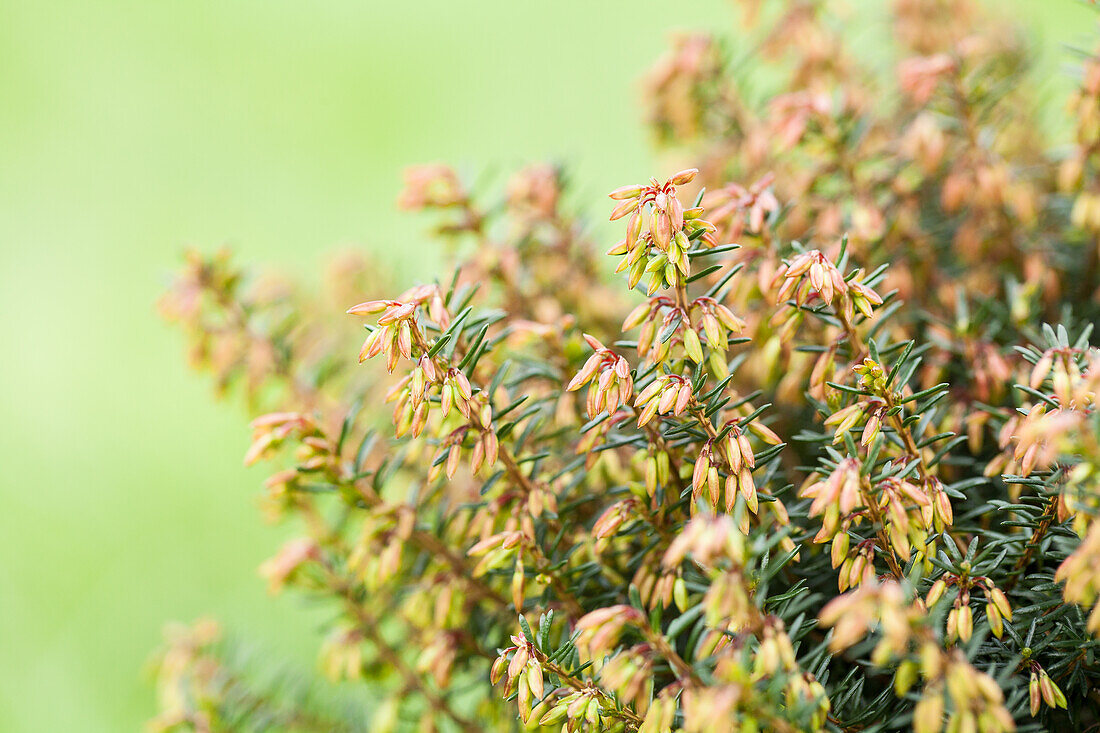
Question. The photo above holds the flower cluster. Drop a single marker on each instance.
(659, 232)
(610, 375)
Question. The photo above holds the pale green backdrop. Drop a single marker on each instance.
(131, 129)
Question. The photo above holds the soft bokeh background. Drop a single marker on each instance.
(130, 129)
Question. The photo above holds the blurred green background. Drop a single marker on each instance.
(131, 129)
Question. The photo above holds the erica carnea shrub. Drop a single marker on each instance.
(824, 456)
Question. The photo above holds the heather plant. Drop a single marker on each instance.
(824, 456)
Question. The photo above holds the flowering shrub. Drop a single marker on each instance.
(833, 466)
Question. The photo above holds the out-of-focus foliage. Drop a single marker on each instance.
(834, 468)
(208, 683)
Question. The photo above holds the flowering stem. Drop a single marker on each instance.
(908, 441)
(525, 482)
(682, 297)
(369, 626)
(434, 546)
(701, 415)
(660, 518)
(855, 341)
(629, 717)
(682, 668)
(877, 518)
(1033, 543)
